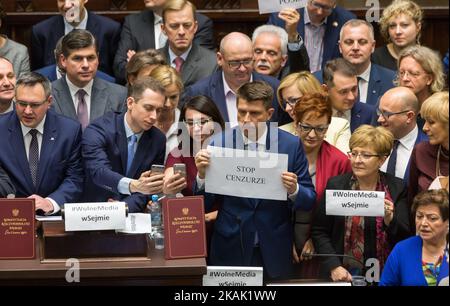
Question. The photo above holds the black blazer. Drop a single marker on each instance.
(328, 232)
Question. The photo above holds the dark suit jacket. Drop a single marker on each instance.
(328, 231)
(46, 34)
(138, 34)
(239, 218)
(362, 113)
(297, 61)
(421, 136)
(335, 21)
(50, 73)
(199, 64)
(213, 88)
(105, 150)
(106, 97)
(60, 171)
(6, 186)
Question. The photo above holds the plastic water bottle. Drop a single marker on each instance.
(155, 211)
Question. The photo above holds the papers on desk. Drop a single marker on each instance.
(137, 223)
(48, 218)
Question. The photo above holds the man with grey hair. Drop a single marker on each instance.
(275, 54)
(397, 111)
(43, 155)
(7, 85)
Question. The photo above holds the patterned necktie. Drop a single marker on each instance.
(393, 159)
(33, 156)
(131, 144)
(82, 112)
(179, 61)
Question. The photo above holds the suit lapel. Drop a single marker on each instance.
(374, 86)
(18, 147)
(331, 33)
(355, 116)
(64, 99)
(47, 147)
(218, 94)
(190, 64)
(142, 151)
(121, 141)
(98, 100)
(92, 24)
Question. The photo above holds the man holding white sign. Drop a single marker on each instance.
(249, 231)
(342, 225)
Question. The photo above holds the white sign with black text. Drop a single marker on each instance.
(94, 216)
(355, 203)
(274, 6)
(137, 223)
(233, 276)
(249, 174)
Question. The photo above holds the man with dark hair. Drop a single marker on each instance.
(80, 94)
(339, 78)
(143, 31)
(74, 15)
(43, 155)
(7, 85)
(191, 60)
(120, 148)
(257, 232)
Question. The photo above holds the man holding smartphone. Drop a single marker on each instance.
(123, 151)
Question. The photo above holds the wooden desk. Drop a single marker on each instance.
(153, 271)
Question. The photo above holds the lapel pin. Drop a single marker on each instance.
(52, 138)
(335, 24)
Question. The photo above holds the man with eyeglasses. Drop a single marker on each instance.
(397, 111)
(43, 154)
(7, 85)
(319, 27)
(339, 78)
(192, 61)
(235, 59)
(142, 31)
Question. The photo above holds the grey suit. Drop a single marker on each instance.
(106, 97)
(199, 64)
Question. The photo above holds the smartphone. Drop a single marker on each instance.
(157, 169)
(180, 168)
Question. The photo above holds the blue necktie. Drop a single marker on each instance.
(393, 159)
(131, 143)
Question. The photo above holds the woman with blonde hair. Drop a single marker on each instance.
(289, 93)
(400, 26)
(169, 117)
(360, 238)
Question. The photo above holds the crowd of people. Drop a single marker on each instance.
(104, 102)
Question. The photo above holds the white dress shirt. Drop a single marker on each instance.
(230, 98)
(27, 141)
(314, 42)
(158, 32)
(363, 84)
(87, 98)
(404, 151)
(82, 25)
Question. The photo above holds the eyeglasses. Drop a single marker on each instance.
(319, 130)
(33, 105)
(319, 6)
(413, 75)
(363, 155)
(198, 122)
(291, 101)
(387, 114)
(237, 64)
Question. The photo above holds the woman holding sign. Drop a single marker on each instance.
(346, 242)
(312, 119)
(422, 260)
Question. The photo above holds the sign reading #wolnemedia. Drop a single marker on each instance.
(273, 6)
(355, 203)
(94, 216)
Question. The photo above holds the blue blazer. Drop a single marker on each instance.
(212, 87)
(60, 171)
(46, 34)
(362, 113)
(335, 21)
(105, 150)
(50, 73)
(239, 218)
(404, 265)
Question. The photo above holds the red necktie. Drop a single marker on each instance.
(179, 61)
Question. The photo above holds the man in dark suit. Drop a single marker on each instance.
(7, 85)
(280, 52)
(191, 60)
(319, 27)
(73, 15)
(120, 148)
(397, 112)
(43, 155)
(339, 78)
(80, 94)
(236, 60)
(258, 232)
(357, 44)
(6, 187)
(142, 31)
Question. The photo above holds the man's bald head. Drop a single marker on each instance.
(403, 96)
(235, 40)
